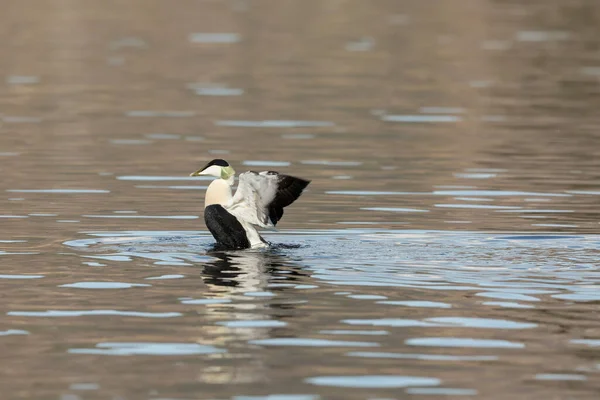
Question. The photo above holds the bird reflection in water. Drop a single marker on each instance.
(249, 271)
(260, 305)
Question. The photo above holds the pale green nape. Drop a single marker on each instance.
(227, 172)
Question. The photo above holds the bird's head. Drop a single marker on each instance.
(218, 168)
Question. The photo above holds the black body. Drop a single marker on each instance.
(226, 229)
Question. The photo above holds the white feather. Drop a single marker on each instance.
(252, 197)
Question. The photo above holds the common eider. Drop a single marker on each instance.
(258, 202)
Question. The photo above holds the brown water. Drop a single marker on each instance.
(447, 245)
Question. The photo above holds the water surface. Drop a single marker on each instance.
(447, 245)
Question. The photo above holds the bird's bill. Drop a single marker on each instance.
(198, 173)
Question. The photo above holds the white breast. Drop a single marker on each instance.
(218, 192)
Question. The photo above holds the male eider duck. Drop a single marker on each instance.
(258, 202)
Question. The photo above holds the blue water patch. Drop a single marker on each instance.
(421, 118)
(205, 301)
(535, 237)
(369, 193)
(373, 381)
(474, 175)
(587, 342)
(442, 391)
(501, 193)
(59, 191)
(263, 163)
(160, 113)
(415, 303)
(165, 277)
(21, 276)
(83, 313)
(560, 377)
(507, 296)
(259, 294)
(103, 285)
(279, 397)
(353, 332)
(176, 187)
(486, 323)
(473, 199)
(307, 342)
(464, 343)
(464, 322)
(163, 178)
(143, 216)
(423, 357)
(477, 206)
(147, 348)
(274, 124)
(253, 324)
(391, 322)
(332, 163)
(366, 297)
(580, 296)
(11, 332)
(556, 225)
(507, 304)
(395, 209)
(454, 261)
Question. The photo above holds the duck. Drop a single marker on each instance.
(234, 219)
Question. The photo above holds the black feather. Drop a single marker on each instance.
(289, 188)
(225, 228)
(217, 161)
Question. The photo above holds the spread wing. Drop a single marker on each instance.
(260, 197)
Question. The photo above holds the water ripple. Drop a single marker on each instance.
(424, 357)
(274, 124)
(11, 332)
(305, 342)
(60, 191)
(103, 285)
(81, 313)
(373, 381)
(21, 276)
(147, 348)
(464, 342)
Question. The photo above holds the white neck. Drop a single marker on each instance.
(219, 192)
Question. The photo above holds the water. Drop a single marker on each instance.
(447, 245)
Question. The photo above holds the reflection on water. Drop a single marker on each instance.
(154, 349)
(447, 245)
